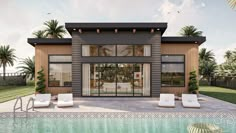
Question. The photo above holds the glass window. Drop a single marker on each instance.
(173, 73)
(107, 50)
(110, 79)
(59, 75)
(172, 58)
(142, 50)
(60, 71)
(89, 50)
(59, 58)
(125, 50)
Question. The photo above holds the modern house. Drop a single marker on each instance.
(117, 59)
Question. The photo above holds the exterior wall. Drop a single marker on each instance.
(191, 63)
(138, 38)
(41, 59)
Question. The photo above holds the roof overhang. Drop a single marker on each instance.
(119, 26)
(49, 41)
(183, 40)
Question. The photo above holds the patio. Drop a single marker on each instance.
(125, 105)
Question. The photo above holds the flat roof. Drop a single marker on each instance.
(143, 26)
(49, 41)
(180, 39)
(68, 41)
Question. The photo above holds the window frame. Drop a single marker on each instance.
(116, 63)
(68, 62)
(172, 62)
(133, 47)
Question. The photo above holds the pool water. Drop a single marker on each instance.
(109, 125)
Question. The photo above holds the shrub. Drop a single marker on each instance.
(192, 85)
(40, 85)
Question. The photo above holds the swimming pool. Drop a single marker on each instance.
(112, 122)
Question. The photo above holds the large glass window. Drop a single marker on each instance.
(107, 50)
(125, 50)
(142, 50)
(110, 79)
(173, 73)
(89, 50)
(59, 71)
(116, 50)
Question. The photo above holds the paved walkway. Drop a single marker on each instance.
(125, 105)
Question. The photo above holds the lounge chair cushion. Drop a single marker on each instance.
(190, 100)
(42, 100)
(65, 100)
(41, 104)
(167, 100)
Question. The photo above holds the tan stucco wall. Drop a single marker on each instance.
(191, 63)
(41, 59)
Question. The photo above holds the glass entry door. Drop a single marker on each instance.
(125, 80)
(116, 79)
(107, 80)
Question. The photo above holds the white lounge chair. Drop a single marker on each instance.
(190, 101)
(167, 100)
(65, 100)
(42, 100)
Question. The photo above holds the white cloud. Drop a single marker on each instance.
(20, 19)
(219, 53)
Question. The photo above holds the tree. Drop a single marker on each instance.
(7, 57)
(205, 55)
(207, 70)
(192, 85)
(207, 64)
(190, 31)
(28, 67)
(39, 34)
(53, 30)
(232, 3)
(40, 88)
(228, 68)
(228, 55)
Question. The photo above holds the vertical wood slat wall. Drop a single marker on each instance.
(41, 59)
(191, 63)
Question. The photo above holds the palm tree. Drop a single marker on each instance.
(28, 67)
(205, 55)
(207, 70)
(232, 3)
(7, 57)
(53, 30)
(228, 55)
(39, 34)
(190, 31)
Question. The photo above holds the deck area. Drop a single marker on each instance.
(125, 105)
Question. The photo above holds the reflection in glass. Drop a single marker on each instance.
(107, 80)
(110, 79)
(107, 50)
(60, 58)
(59, 75)
(125, 80)
(142, 50)
(172, 75)
(89, 50)
(125, 50)
(172, 58)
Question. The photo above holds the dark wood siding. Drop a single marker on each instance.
(138, 38)
(76, 65)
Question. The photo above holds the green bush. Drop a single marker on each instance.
(40, 88)
(192, 85)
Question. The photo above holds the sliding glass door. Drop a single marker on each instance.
(116, 79)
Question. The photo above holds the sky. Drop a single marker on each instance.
(20, 18)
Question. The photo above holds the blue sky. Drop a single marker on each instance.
(18, 19)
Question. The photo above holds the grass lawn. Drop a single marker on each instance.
(11, 92)
(224, 94)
